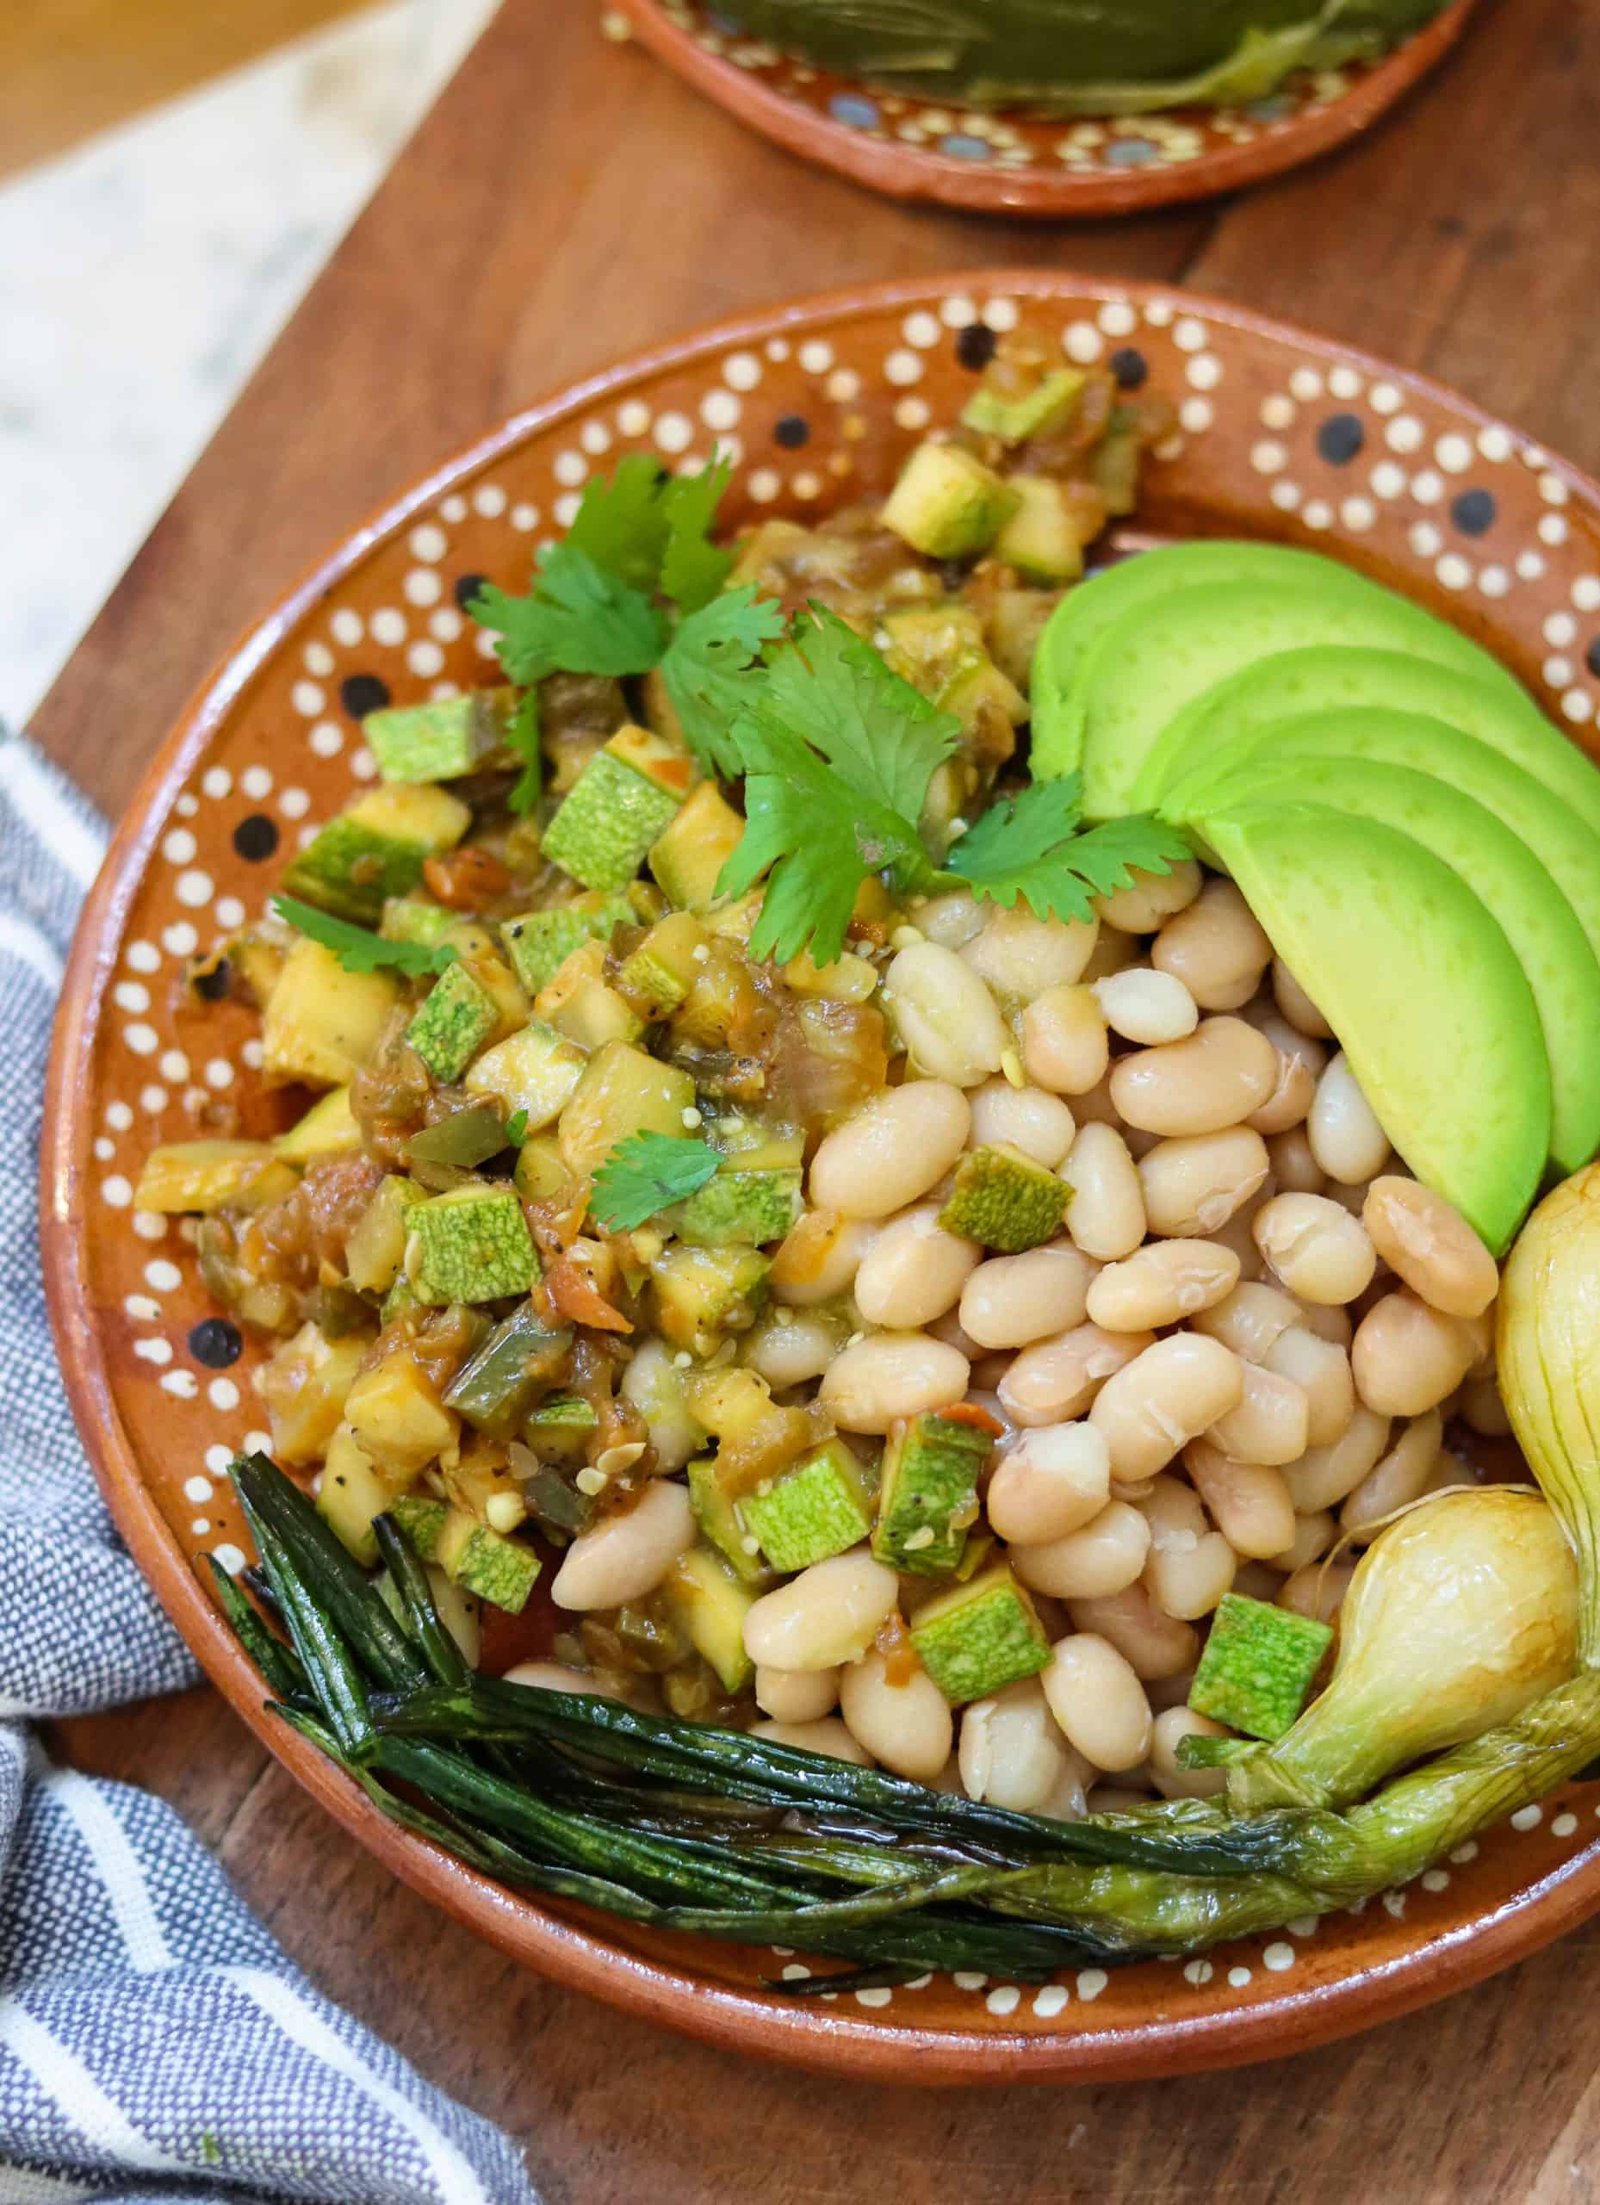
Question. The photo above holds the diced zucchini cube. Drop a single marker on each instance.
(619, 805)
(947, 504)
(410, 919)
(1005, 1200)
(562, 1412)
(471, 1245)
(456, 1019)
(350, 1493)
(703, 1294)
(500, 1570)
(816, 1508)
(1032, 413)
(328, 1129)
(306, 1387)
(322, 1024)
(719, 1522)
(977, 1638)
(534, 1071)
(421, 1520)
(375, 850)
(622, 1091)
(688, 857)
(398, 1418)
(1257, 1666)
(542, 1170)
(376, 1248)
(196, 1177)
(928, 1496)
(580, 1003)
(755, 1207)
(1041, 538)
(661, 971)
(709, 1603)
(540, 942)
(440, 740)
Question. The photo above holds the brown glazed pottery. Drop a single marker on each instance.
(1281, 435)
(1015, 163)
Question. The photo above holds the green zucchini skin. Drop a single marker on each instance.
(1083, 56)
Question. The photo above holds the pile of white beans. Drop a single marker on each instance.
(1238, 1356)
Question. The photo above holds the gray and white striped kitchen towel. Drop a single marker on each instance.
(155, 2044)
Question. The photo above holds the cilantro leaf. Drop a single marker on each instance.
(879, 734)
(357, 948)
(815, 838)
(693, 569)
(516, 1128)
(710, 666)
(580, 619)
(1025, 848)
(622, 523)
(646, 1173)
(522, 738)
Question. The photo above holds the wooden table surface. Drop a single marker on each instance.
(565, 203)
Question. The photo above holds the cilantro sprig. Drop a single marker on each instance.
(1028, 849)
(648, 1173)
(357, 948)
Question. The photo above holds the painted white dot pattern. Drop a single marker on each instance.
(742, 370)
(903, 367)
(1082, 342)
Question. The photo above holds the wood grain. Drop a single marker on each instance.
(566, 202)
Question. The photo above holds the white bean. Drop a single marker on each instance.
(1483, 1408)
(1346, 1138)
(1151, 897)
(1029, 1118)
(1167, 1396)
(794, 1353)
(1154, 1645)
(1296, 1006)
(829, 1614)
(1407, 1357)
(1020, 956)
(1397, 1477)
(1319, 1250)
(1172, 1779)
(1318, 1591)
(1216, 947)
(1161, 1284)
(626, 1555)
(914, 1271)
(891, 1152)
(1051, 1482)
(1108, 1553)
(1098, 1701)
(796, 1695)
(819, 1259)
(1055, 1380)
(1105, 1217)
(828, 1736)
(1012, 1300)
(1294, 1169)
(1190, 1565)
(952, 919)
(904, 1722)
(1250, 1319)
(948, 1020)
(1299, 1063)
(555, 1676)
(1146, 1006)
(1324, 1475)
(653, 1384)
(892, 1374)
(1222, 1072)
(1321, 1369)
(1012, 1752)
(1064, 1043)
(1195, 1183)
(1427, 1241)
(1313, 1535)
(1248, 1501)
(1269, 1424)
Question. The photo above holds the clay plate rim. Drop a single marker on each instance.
(915, 173)
(564, 1946)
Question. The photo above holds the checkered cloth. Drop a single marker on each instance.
(154, 2042)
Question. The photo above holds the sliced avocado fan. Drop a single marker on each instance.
(1560, 967)
(1420, 984)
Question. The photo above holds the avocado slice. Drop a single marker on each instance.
(1084, 615)
(1420, 985)
(1328, 679)
(1149, 665)
(1536, 919)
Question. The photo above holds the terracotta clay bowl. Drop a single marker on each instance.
(1020, 164)
(1283, 435)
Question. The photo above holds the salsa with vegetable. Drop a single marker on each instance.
(898, 1257)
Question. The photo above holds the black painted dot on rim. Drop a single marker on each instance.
(363, 693)
(976, 345)
(1129, 366)
(1474, 512)
(256, 837)
(1591, 657)
(1340, 437)
(216, 1343)
(791, 431)
(214, 982)
(466, 588)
